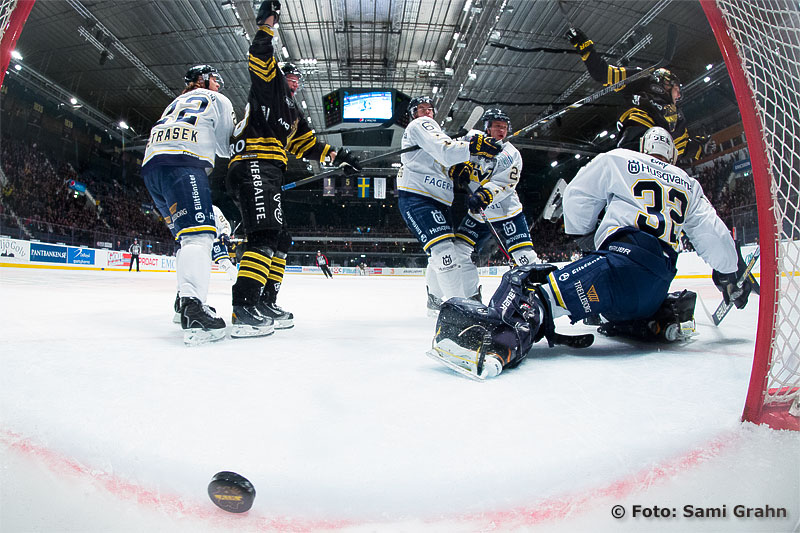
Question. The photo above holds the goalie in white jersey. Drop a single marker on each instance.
(193, 130)
(425, 193)
(648, 202)
(493, 184)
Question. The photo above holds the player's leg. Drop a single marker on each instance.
(516, 234)
(187, 189)
(267, 305)
(468, 233)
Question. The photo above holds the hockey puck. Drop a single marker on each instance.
(231, 492)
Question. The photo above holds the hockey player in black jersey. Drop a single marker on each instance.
(653, 100)
(272, 127)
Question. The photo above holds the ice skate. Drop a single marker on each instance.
(199, 322)
(248, 322)
(434, 304)
(176, 318)
(282, 319)
(469, 363)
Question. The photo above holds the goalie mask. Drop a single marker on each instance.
(415, 102)
(495, 114)
(657, 141)
(203, 72)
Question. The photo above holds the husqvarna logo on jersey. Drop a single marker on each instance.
(447, 260)
(509, 228)
(634, 167)
(469, 223)
(438, 217)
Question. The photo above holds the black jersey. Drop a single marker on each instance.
(650, 105)
(272, 125)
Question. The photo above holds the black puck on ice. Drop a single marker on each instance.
(231, 492)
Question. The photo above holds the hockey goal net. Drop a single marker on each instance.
(760, 42)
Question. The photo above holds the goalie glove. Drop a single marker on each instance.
(349, 162)
(727, 284)
(484, 146)
(480, 199)
(268, 8)
(462, 173)
(580, 41)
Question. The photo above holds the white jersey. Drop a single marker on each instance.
(193, 129)
(500, 175)
(223, 226)
(641, 191)
(425, 171)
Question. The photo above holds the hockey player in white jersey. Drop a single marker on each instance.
(493, 184)
(193, 130)
(648, 202)
(425, 193)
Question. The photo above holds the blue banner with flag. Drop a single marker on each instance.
(363, 187)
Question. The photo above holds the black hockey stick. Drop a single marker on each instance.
(509, 259)
(473, 118)
(723, 308)
(669, 51)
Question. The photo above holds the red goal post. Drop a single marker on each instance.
(13, 14)
(760, 42)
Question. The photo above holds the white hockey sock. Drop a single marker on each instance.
(469, 272)
(178, 269)
(555, 309)
(445, 260)
(194, 269)
(432, 280)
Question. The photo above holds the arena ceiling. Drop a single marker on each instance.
(127, 58)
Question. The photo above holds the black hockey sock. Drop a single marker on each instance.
(275, 278)
(253, 273)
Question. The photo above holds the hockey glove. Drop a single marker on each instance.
(349, 163)
(462, 173)
(268, 8)
(726, 283)
(480, 199)
(485, 146)
(229, 268)
(579, 40)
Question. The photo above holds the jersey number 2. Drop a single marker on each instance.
(655, 221)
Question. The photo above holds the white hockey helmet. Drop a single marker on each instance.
(658, 141)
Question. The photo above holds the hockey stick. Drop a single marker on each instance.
(473, 118)
(723, 308)
(669, 51)
(509, 259)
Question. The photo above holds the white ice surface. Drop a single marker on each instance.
(108, 423)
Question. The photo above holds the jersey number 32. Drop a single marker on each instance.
(665, 209)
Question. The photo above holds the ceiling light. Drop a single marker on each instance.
(123, 125)
(456, 35)
(435, 89)
(16, 55)
(448, 55)
(553, 164)
(577, 156)
(285, 52)
(612, 136)
(303, 103)
(472, 75)
(73, 100)
(467, 5)
(707, 79)
(449, 71)
(709, 66)
(602, 134)
(17, 67)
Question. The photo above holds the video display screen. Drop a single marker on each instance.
(367, 107)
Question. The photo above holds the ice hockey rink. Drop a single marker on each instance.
(108, 423)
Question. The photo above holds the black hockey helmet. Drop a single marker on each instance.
(492, 114)
(666, 77)
(204, 71)
(294, 70)
(414, 103)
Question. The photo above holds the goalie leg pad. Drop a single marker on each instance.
(674, 321)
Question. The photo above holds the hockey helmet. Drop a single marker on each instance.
(204, 71)
(657, 141)
(415, 102)
(294, 70)
(666, 77)
(492, 114)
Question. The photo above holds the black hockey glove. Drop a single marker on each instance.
(462, 173)
(349, 162)
(579, 40)
(485, 146)
(726, 283)
(480, 199)
(267, 9)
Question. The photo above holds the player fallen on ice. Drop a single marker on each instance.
(647, 202)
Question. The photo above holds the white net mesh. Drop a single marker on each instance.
(767, 38)
(6, 7)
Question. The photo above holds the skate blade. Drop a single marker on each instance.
(433, 313)
(465, 368)
(243, 330)
(284, 324)
(176, 318)
(198, 336)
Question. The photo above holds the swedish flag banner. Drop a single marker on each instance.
(363, 187)
(380, 188)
